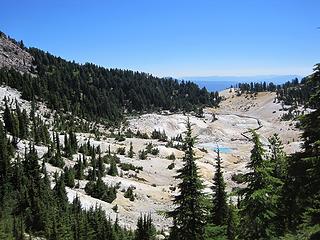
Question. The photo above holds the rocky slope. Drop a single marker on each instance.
(13, 56)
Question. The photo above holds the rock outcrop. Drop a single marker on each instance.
(14, 56)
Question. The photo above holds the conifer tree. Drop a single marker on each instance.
(145, 228)
(4, 156)
(93, 172)
(189, 216)
(101, 166)
(302, 191)
(231, 223)
(113, 170)
(57, 159)
(67, 146)
(219, 200)
(277, 157)
(79, 168)
(23, 121)
(142, 154)
(15, 129)
(69, 177)
(259, 204)
(311, 157)
(130, 152)
(7, 117)
(60, 191)
(57, 141)
(278, 163)
(73, 141)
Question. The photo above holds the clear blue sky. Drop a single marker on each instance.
(173, 37)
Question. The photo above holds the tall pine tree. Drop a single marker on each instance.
(189, 215)
(258, 208)
(219, 200)
(145, 229)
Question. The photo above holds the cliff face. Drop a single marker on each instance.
(13, 56)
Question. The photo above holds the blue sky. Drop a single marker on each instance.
(172, 37)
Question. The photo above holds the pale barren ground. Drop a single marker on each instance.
(152, 185)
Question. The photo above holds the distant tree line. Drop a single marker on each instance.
(292, 92)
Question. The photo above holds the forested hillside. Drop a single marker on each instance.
(96, 92)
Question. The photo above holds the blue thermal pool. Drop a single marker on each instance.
(223, 149)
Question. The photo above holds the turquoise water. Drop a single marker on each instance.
(214, 147)
(223, 149)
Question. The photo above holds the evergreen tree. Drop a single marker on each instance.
(301, 188)
(113, 170)
(145, 228)
(67, 146)
(190, 214)
(278, 162)
(15, 129)
(143, 154)
(259, 204)
(7, 117)
(79, 169)
(57, 143)
(92, 174)
(60, 191)
(56, 160)
(231, 223)
(69, 177)
(130, 152)
(278, 157)
(129, 194)
(4, 157)
(101, 167)
(219, 200)
(73, 141)
(23, 121)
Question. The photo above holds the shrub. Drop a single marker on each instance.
(129, 166)
(115, 208)
(142, 135)
(101, 191)
(151, 149)
(155, 151)
(142, 155)
(171, 166)
(129, 194)
(203, 150)
(238, 178)
(156, 134)
(171, 157)
(107, 159)
(120, 138)
(121, 150)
